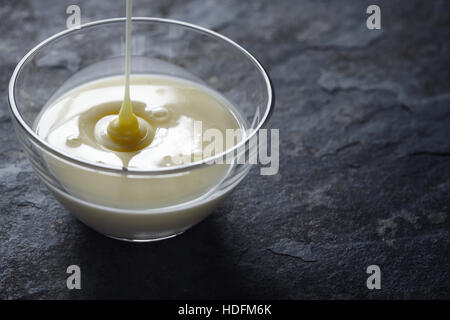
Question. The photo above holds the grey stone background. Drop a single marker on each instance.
(364, 120)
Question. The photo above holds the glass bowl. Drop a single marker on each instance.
(160, 206)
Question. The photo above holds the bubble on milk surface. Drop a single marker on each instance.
(73, 141)
(160, 114)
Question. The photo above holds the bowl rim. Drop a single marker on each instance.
(121, 170)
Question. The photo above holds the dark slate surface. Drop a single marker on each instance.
(364, 120)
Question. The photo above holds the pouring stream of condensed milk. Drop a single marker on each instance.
(126, 132)
(144, 122)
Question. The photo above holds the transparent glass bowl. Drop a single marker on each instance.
(159, 46)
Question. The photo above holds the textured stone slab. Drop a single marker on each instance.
(364, 171)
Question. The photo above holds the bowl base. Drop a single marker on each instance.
(144, 240)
